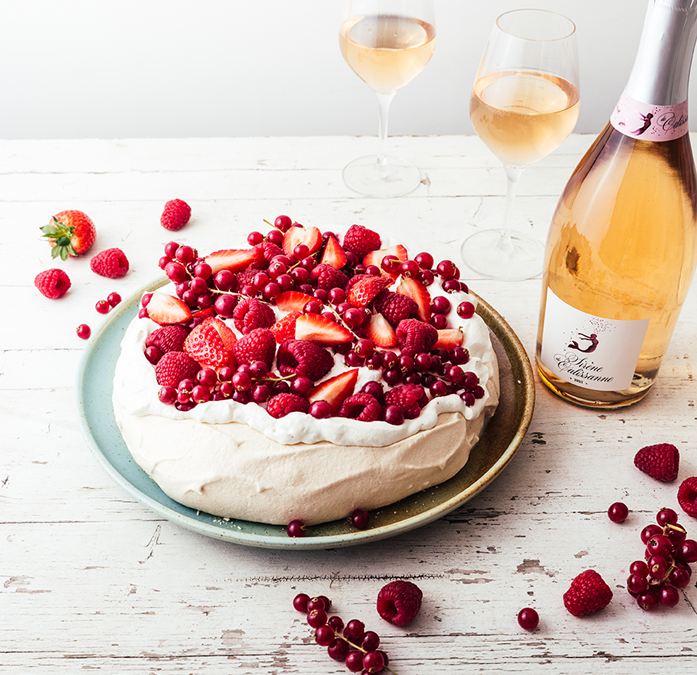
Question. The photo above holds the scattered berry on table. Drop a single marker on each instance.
(53, 283)
(71, 233)
(175, 215)
(659, 461)
(587, 594)
(399, 602)
(111, 263)
(102, 306)
(618, 512)
(528, 619)
(83, 331)
(113, 299)
(687, 496)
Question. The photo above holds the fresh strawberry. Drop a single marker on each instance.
(175, 215)
(414, 336)
(362, 407)
(333, 254)
(399, 602)
(375, 258)
(335, 390)
(419, 294)
(111, 263)
(211, 343)
(70, 233)
(364, 291)
(284, 404)
(174, 367)
(360, 241)
(310, 236)
(251, 313)
(321, 330)
(380, 331)
(233, 259)
(299, 357)
(53, 283)
(284, 329)
(258, 345)
(166, 309)
(449, 338)
(292, 300)
(587, 594)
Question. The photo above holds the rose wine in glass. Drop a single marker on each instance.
(387, 44)
(524, 104)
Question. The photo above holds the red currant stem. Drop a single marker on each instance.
(359, 648)
(677, 528)
(340, 320)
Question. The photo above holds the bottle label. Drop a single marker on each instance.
(649, 122)
(590, 351)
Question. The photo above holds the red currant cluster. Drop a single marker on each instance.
(350, 642)
(666, 567)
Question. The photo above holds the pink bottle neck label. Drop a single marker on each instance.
(649, 122)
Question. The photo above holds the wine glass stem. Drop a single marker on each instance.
(384, 101)
(512, 177)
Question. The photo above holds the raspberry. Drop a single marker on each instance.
(687, 496)
(361, 241)
(53, 283)
(251, 314)
(327, 277)
(269, 251)
(395, 307)
(283, 404)
(111, 263)
(284, 329)
(659, 461)
(587, 594)
(303, 358)
(415, 336)
(362, 407)
(245, 277)
(258, 345)
(168, 338)
(176, 214)
(408, 397)
(174, 367)
(399, 602)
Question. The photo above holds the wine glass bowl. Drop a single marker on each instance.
(524, 104)
(386, 43)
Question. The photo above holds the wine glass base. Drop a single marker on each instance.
(495, 256)
(396, 178)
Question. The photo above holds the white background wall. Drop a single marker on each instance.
(161, 68)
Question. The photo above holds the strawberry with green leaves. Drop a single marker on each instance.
(70, 233)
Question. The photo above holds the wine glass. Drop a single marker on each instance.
(387, 43)
(523, 106)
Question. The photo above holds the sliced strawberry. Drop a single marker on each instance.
(321, 330)
(284, 329)
(310, 236)
(419, 294)
(375, 258)
(292, 300)
(210, 343)
(166, 309)
(233, 259)
(380, 332)
(449, 338)
(335, 390)
(333, 254)
(363, 292)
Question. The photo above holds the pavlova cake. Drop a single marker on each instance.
(305, 377)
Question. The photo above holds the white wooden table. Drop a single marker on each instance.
(91, 580)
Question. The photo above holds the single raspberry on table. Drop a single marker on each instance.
(687, 496)
(395, 307)
(414, 336)
(327, 277)
(362, 407)
(53, 283)
(283, 404)
(174, 367)
(111, 263)
(399, 602)
(659, 461)
(250, 314)
(176, 214)
(301, 357)
(408, 397)
(258, 345)
(361, 241)
(168, 338)
(587, 594)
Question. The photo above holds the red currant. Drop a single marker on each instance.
(618, 512)
(102, 306)
(528, 618)
(83, 331)
(296, 528)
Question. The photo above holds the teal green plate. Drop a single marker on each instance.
(497, 446)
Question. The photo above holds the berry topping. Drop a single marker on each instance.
(166, 309)
(327, 277)
(399, 602)
(284, 404)
(687, 496)
(395, 307)
(250, 314)
(659, 461)
(380, 331)
(258, 345)
(333, 254)
(360, 241)
(419, 294)
(175, 215)
(70, 233)
(174, 367)
(414, 336)
(284, 329)
(362, 407)
(363, 292)
(310, 237)
(587, 594)
(53, 283)
(168, 338)
(376, 257)
(449, 338)
(335, 390)
(111, 263)
(408, 397)
(300, 357)
(321, 330)
(211, 343)
(292, 300)
(232, 259)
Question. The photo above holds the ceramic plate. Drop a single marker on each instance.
(497, 446)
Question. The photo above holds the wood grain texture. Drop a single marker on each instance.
(90, 580)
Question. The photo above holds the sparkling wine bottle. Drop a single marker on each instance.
(622, 245)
